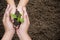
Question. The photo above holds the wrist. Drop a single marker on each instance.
(21, 35)
(10, 34)
(11, 2)
(10, 31)
(12, 5)
(23, 2)
(24, 36)
(7, 35)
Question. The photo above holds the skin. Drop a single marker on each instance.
(8, 26)
(21, 4)
(12, 4)
(22, 32)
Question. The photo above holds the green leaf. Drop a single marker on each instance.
(13, 16)
(21, 20)
(20, 15)
(18, 19)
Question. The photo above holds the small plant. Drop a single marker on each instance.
(18, 18)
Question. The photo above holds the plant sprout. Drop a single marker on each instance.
(13, 16)
(19, 19)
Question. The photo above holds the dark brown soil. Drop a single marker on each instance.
(44, 17)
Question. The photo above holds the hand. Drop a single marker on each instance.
(13, 10)
(20, 9)
(22, 31)
(8, 26)
(25, 25)
(6, 20)
(23, 3)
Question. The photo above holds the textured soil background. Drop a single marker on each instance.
(44, 17)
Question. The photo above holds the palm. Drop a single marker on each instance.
(25, 25)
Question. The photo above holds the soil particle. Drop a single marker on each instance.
(44, 17)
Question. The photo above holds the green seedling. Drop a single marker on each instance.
(19, 19)
(13, 16)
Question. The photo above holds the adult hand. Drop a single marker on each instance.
(8, 25)
(22, 32)
(13, 10)
(20, 9)
(25, 25)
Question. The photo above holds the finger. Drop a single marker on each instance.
(11, 18)
(12, 12)
(14, 26)
(8, 14)
(17, 27)
(8, 6)
(25, 15)
(21, 11)
(4, 17)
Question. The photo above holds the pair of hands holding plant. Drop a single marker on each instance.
(9, 28)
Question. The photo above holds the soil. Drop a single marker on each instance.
(44, 17)
(16, 23)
